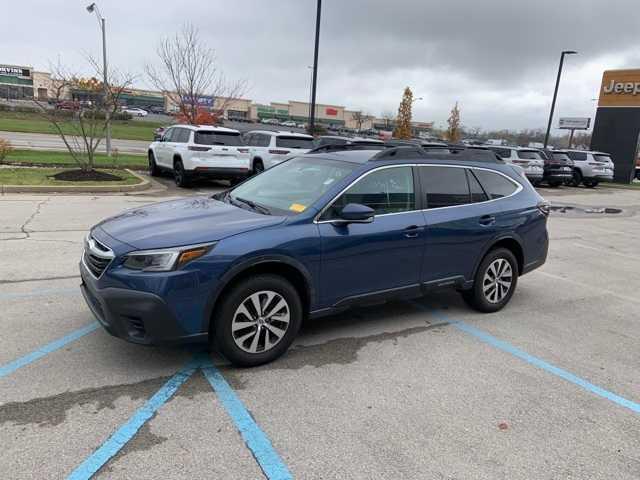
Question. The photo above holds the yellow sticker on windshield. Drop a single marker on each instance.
(296, 207)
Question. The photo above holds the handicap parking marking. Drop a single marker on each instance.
(532, 360)
(255, 439)
(39, 293)
(127, 431)
(45, 350)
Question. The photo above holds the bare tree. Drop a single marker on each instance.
(359, 118)
(189, 72)
(388, 118)
(81, 107)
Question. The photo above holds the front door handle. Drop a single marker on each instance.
(487, 220)
(412, 231)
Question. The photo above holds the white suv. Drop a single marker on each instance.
(529, 159)
(270, 148)
(589, 168)
(196, 151)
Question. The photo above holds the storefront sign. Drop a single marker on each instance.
(15, 71)
(574, 123)
(331, 111)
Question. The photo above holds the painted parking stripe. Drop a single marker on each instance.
(11, 367)
(127, 431)
(256, 440)
(535, 361)
(40, 293)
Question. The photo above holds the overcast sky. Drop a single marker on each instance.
(497, 58)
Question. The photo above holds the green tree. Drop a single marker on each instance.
(403, 123)
(454, 130)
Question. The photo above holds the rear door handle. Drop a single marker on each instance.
(412, 231)
(487, 220)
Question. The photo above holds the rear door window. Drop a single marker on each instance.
(205, 137)
(560, 157)
(579, 156)
(496, 185)
(181, 135)
(529, 155)
(294, 142)
(444, 186)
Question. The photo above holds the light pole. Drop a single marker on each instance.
(555, 93)
(91, 9)
(312, 114)
(310, 91)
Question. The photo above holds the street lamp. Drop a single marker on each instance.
(555, 93)
(91, 9)
(416, 99)
(312, 114)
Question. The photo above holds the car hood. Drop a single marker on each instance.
(183, 222)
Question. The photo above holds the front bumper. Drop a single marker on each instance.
(135, 316)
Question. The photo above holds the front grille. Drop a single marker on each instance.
(97, 256)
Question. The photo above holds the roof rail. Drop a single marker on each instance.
(345, 146)
(449, 153)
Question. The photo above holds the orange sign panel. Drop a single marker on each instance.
(620, 88)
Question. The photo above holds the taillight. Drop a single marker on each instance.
(544, 207)
(279, 152)
(193, 148)
(243, 150)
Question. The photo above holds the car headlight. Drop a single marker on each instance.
(166, 259)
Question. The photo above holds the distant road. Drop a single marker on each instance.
(45, 141)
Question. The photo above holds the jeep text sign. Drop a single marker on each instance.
(620, 88)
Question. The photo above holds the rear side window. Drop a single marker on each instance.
(602, 158)
(444, 186)
(294, 142)
(502, 152)
(495, 184)
(529, 155)
(580, 156)
(204, 137)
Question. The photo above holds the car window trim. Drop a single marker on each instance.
(518, 189)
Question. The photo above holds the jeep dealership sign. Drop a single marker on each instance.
(620, 88)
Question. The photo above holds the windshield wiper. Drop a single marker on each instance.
(254, 206)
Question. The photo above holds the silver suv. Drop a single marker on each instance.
(528, 159)
(590, 167)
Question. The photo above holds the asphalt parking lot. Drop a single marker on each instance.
(548, 388)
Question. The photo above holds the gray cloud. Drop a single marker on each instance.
(497, 57)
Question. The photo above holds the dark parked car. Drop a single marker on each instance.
(558, 167)
(309, 237)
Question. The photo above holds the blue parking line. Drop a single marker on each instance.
(127, 431)
(256, 440)
(46, 350)
(40, 293)
(535, 361)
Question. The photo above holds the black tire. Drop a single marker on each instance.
(476, 296)
(180, 175)
(555, 184)
(222, 336)
(590, 183)
(258, 167)
(577, 178)
(637, 174)
(154, 171)
(235, 181)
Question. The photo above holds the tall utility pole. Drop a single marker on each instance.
(555, 94)
(91, 9)
(312, 114)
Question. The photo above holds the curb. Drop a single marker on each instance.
(68, 165)
(143, 185)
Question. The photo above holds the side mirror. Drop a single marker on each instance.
(356, 213)
(157, 138)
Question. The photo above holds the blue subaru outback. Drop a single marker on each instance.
(310, 237)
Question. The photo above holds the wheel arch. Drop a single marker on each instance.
(511, 243)
(290, 269)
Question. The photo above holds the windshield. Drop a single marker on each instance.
(602, 158)
(292, 186)
(205, 137)
(294, 142)
(529, 154)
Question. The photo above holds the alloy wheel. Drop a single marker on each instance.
(260, 321)
(497, 280)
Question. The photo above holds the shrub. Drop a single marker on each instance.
(5, 149)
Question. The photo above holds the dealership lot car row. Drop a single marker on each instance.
(428, 382)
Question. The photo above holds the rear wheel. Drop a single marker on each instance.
(154, 171)
(258, 167)
(180, 175)
(577, 178)
(257, 320)
(495, 281)
(590, 183)
(555, 184)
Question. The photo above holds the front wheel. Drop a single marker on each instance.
(257, 320)
(494, 283)
(154, 171)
